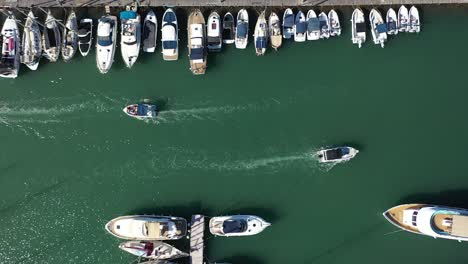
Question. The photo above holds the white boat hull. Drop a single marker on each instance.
(105, 50)
(237, 225)
(242, 41)
(358, 35)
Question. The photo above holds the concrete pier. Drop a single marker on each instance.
(197, 229)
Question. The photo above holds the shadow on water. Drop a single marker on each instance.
(266, 213)
(186, 210)
(453, 198)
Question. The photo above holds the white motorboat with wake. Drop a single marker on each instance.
(274, 29)
(237, 225)
(85, 36)
(214, 33)
(150, 32)
(229, 31)
(378, 28)
(141, 111)
(313, 26)
(170, 36)
(261, 35)
(130, 36)
(288, 24)
(10, 60)
(152, 250)
(300, 27)
(335, 26)
(358, 27)
(242, 29)
(336, 155)
(106, 42)
(70, 37)
(31, 51)
(392, 22)
(414, 22)
(324, 26)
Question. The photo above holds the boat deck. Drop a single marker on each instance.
(196, 17)
(197, 229)
(395, 214)
(439, 220)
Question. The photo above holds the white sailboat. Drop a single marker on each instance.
(214, 32)
(403, 19)
(32, 49)
(170, 36)
(288, 23)
(261, 35)
(150, 32)
(70, 37)
(130, 35)
(274, 30)
(414, 22)
(156, 250)
(51, 39)
(335, 26)
(313, 26)
(85, 36)
(106, 42)
(391, 19)
(324, 26)
(358, 27)
(378, 27)
(300, 27)
(10, 60)
(242, 29)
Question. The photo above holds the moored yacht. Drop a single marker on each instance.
(242, 29)
(70, 37)
(130, 35)
(403, 19)
(378, 28)
(197, 42)
(237, 225)
(288, 23)
(313, 26)
(152, 250)
(141, 111)
(147, 227)
(414, 23)
(300, 27)
(274, 29)
(10, 60)
(31, 51)
(214, 32)
(228, 28)
(85, 36)
(324, 26)
(335, 26)
(51, 40)
(336, 155)
(150, 32)
(170, 36)
(391, 19)
(430, 220)
(261, 35)
(358, 27)
(106, 42)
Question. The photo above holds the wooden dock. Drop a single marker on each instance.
(197, 229)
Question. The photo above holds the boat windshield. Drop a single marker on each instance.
(169, 17)
(214, 40)
(234, 226)
(104, 41)
(169, 44)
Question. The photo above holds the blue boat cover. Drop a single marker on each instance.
(261, 43)
(313, 24)
(170, 17)
(381, 28)
(288, 21)
(242, 30)
(125, 15)
(169, 44)
(323, 23)
(301, 27)
(196, 54)
(234, 226)
(142, 110)
(392, 25)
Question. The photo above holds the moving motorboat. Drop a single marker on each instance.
(152, 250)
(324, 26)
(214, 32)
(335, 26)
(10, 60)
(147, 227)
(261, 35)
(313, 25)
(106, 42)
(170, 36)
(288, 23)
(378, 27)
(403, 19)
(391, 19)
(70, 37)
(237, 225)
(130, 36)
(51, 40)
(228, 28)
(274, 29)
(430, 220)
(196, 42)
(141, 111)
(85, 36)
(414, 23)
(300, 27)
(31, 51)
(358, 27)
(150, 32)
(242, 29)
(339, 154)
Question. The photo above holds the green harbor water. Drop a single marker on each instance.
(241, 139)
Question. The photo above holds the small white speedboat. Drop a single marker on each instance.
(237, 225)
(300, 27)
(170, 36)
(51, 39)
(403, 19)
(213, 32)
(70, 37)
(358, 27)
(130, 35)
(261, 35)
(141, 111)
(150, 32)
(152, 250)
(378, 27)
(391, 19)
(335, 26)
(228, 28)
(242, 29)
(414, 22)
(324, 26)
(313, 26)
(31, 49)
(85, 36)
(10, 59)
(336, 155)
(106, 42)
(288, 23)
(274, 29)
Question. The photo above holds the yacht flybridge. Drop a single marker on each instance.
(430, 220)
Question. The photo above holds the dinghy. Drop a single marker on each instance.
(214, 32)
(414, 23)
(378, 27)
(335, 26)
(391, 19)
(106, 42)
(152, 250)
(150, 32)
(197, 42)
(170, 36)
(261, 35)
(70, 37)
(324, 26)
(336, 155)
(358, 27)
(130, 35)
(32, 49)
(403, 19)
(288, 23)
(228, 28)
(141, 111)
(300, 27)
(242, 29)
(313, 25)
(10, 61)
(274, 29)
(237, 225)
(51, 40)
(85, 36)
